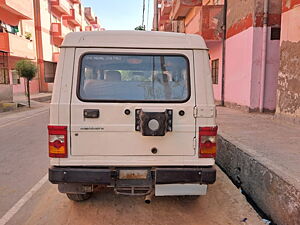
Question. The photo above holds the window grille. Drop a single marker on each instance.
(215, 70)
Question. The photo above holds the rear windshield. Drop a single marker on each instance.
(134, 78)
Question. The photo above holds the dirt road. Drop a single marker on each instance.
(24, 162)
(223, 205)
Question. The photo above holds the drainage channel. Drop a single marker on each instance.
(267, 220)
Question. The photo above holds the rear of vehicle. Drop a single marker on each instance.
(133, 111)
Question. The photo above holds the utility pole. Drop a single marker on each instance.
(223, 52)
(143, 19)
(155, 21)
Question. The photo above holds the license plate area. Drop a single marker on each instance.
(133, 174)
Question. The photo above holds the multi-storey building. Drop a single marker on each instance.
(34, 30)
(203, 17)
(53, 20)
(260, 48)
(17, 41)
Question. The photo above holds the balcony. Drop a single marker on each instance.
(74, 19)
(166, 27)
(75, 1)
(95, 23)
(89, 15)
(178, 26)
(88, 28)
(17, 46)
(182, 7)
(56, 33)
(60, 7)
(166, 8)
(21, 10)
(207, 23)
(55, 56)
(211, 2)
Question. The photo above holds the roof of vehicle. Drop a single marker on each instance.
(134, 39)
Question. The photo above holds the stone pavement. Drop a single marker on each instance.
(37, 101)
(261, 154)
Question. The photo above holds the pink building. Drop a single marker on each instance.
(17, 41)
(252, 54)
(34, 30)
(261, 49)
(203, 17)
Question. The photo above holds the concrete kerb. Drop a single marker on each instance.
(20, 103)
(7, 106)
(272, 189)
(42, 98)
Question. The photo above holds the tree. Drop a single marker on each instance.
(26, 69)
(141, 27)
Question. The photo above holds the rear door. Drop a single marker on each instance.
(111, 87)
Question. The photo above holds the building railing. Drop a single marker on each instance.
(74, 19)
(75, 1)
(56, 33)
(17, 46)
(181, 8)
(88, 28)
(210, 22)
(89, 15)
(21, 9)
(61, 7)
(166, 7)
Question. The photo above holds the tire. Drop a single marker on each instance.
(79, 197)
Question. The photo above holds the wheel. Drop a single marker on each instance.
(79, 197)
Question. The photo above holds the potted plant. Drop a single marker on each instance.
(28, 35)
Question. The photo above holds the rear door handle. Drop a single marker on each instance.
(91, 113)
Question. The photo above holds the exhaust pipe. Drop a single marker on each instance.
(148, 198)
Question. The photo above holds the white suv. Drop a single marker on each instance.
(135, 111)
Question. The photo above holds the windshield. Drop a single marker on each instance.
(127, 78)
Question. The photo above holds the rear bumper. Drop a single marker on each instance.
(107, 176)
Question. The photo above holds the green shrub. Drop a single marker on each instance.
(27, 70)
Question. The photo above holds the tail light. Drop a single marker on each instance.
(207, 142)
(58, 141)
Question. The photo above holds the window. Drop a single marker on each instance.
(134, 78)
(4, 75)
(215, 71)
(275, 33)
(49, 71)
(15, 77)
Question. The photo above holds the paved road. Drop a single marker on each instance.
(23, 155)
(24, 162)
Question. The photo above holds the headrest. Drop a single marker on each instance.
(112, 75)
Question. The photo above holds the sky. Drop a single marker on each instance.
(121, 14)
